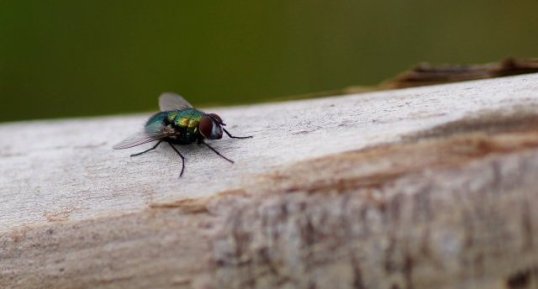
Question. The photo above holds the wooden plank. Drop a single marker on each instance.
(374, 190)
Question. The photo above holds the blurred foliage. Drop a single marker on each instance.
(68, 58)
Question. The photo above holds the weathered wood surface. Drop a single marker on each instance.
(431, 187)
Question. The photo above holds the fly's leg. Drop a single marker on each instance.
(150, 149)
(214, 150)
(239, 137)
(182, 159)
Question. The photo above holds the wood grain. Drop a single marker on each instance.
(431, 187)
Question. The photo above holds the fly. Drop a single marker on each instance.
(178, 123)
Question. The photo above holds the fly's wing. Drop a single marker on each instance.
(138, 139)
(170, 101)
(154, 130)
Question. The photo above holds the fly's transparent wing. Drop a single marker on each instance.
(170, 101)
(138, 139)
(153, 130)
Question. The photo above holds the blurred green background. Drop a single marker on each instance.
(62, 58)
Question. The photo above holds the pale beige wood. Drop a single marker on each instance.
(432, 187)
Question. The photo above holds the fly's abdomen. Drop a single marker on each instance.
(156, 122)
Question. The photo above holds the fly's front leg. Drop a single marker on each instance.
(239, 137)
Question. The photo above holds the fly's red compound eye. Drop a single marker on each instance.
(210, 128)
(217, 118)
(206, 126)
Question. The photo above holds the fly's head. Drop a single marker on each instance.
(211, 126)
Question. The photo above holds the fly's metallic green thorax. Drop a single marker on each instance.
(184, 123)
(178, 123)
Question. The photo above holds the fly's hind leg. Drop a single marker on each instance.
(150, 149)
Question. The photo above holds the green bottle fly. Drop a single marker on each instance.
(178, 123)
